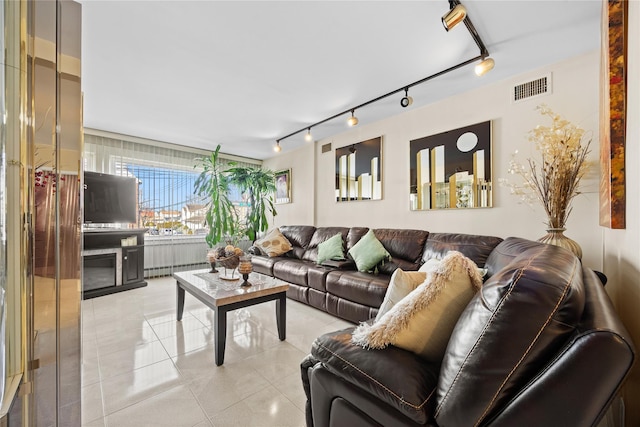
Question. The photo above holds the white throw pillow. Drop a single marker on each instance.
(401, 284)
(423, 321)
(432, 263)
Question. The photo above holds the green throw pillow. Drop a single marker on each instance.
(368, 252)
(331, 249)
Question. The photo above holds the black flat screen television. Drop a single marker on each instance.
(109, 198)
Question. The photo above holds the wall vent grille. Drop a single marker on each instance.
(326, 148)
(532, 89)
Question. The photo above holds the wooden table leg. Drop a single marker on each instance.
(281, 317)
(220, 334)
(180, 300)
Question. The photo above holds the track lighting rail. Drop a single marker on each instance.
(386, 95)
(484, 53)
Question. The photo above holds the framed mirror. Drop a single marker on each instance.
(452, 170)
(359, 172)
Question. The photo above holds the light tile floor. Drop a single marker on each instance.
(143, 368)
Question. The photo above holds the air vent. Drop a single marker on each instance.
(326, 148)
(532, 89)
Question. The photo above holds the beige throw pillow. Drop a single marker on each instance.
(423, 321)
(274, 243)
(401, 284)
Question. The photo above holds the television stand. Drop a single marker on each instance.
(108, 265)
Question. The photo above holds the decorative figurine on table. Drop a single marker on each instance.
(245, 268)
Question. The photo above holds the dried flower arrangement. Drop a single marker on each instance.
(554, 182)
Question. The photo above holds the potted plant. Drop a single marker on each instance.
(259, 186)
(213, 184)
(554, 179)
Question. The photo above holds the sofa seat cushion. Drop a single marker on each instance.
(292, 271)
(364, 288)
(317, 277)
(518, 321)
(397, 377)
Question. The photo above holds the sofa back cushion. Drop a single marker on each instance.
(299, 236)
(518, 321)
(475, 247)
(506, 252)
(320, 235)
(354, 236)
(404, 246)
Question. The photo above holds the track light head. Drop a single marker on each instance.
(484, 66)
(277, 147)
(454, 17)
(353, 120)
(406, 99)
(308, 136)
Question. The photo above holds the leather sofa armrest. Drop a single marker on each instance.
(306, 364)
(398, 377)
(347, 264)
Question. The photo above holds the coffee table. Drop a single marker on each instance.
(223, 296)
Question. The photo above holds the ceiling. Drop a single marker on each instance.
(245, 73)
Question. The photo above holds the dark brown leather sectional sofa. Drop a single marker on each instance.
(338, 288)
(539, 345)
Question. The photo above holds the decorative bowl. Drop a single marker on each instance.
(229, 262)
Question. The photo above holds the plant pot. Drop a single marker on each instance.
(555, 236)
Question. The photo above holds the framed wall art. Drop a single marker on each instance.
(613, 96)
(359, 171)
(283, 186)
(452, 170)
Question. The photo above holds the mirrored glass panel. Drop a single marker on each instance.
(452, 170)
(359, 171)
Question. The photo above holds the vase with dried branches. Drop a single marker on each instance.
(554, 180)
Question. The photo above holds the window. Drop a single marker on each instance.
(167, 205)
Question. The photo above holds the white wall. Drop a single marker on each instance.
(575, 96)
(622, 247)
(302, 164)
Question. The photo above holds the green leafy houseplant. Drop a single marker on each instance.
(259, 185)
(213, 183)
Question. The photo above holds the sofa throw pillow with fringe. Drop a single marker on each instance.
(274, 243)
(423, 321)
(403, 282)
